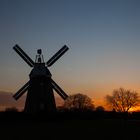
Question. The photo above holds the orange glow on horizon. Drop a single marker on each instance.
(135, 109)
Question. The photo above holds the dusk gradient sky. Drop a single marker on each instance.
(103, 37)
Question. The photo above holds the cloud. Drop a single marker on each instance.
(6, 100)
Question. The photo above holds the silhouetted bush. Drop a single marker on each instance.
(100, 108)
(11, 109)
(78, 102)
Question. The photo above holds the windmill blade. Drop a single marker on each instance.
(21, 91)
(59, 90)
(23, 55)
(55, 57)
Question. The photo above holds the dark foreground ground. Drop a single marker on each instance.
(93, 126)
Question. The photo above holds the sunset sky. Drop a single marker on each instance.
(103, 37)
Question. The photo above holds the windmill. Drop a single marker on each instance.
(40, 96)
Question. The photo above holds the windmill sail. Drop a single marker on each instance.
(21, 91)
(23, 55)
(53, 59)
(59, 90)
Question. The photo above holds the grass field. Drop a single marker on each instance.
(15, 126)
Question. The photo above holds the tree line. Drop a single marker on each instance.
(121, 100)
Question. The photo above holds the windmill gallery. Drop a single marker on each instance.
(40, 96)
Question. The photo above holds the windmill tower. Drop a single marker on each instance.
(40, 96)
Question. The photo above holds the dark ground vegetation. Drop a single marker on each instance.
(70, 125)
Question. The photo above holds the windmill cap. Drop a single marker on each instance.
(40, 70)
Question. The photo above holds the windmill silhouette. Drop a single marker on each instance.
(40, 96)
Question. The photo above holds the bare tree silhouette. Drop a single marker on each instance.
(122, 100)
(78, 102)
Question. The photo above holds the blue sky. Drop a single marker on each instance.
(103, 37)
